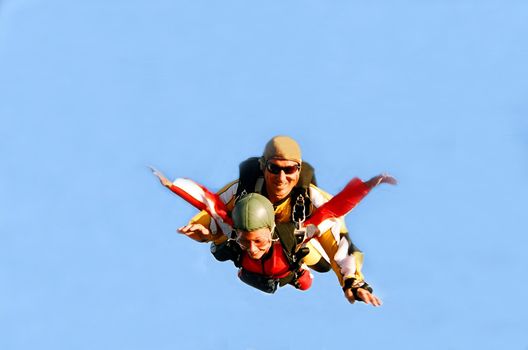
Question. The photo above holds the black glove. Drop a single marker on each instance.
(349, 284)
(296, 275)
(297, 257)
(228, 250)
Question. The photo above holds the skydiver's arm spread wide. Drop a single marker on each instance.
(203, 199)
(203, 219)
(346, 261)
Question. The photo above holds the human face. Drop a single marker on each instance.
(280, 185)
(256, 243)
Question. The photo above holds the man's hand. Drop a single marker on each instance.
(364, 295)
(198, 232)
(164, 181)
(381, 179)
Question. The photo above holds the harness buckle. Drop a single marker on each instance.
(242, 194)
(299, 235)
(299, 212)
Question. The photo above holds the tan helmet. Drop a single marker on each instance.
(283, 148)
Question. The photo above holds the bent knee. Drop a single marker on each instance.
(321, 266)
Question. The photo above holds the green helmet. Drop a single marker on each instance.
(253, 211)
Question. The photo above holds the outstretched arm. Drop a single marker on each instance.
(203, 199)
(347, 199)
(343, 257)
(361, 293)
(197, 232)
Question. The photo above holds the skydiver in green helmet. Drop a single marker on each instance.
(267, 254)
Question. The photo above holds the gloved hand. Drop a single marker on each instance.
(228, 250)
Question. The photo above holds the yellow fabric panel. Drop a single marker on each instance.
(283, 211)
(330, 246)
(323, 192)
(359, 265)
(204, 218)
(201, 218)
(231, 203)
(313, 257)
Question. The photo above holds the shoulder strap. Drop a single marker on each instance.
(249, 173)
(307, 176)
(284, 232)
(291, 245)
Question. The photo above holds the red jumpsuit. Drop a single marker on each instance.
(275, 265)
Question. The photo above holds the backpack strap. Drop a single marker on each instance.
(291, 240)
(248, 177)
(307, 176)
(285, 232)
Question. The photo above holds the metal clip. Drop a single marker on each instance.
(299, 219)
(300, 235)
(242, 194)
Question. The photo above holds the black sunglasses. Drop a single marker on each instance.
(275, 169)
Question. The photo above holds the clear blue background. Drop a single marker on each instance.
(433, 92)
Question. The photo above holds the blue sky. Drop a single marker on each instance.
(93, 92)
